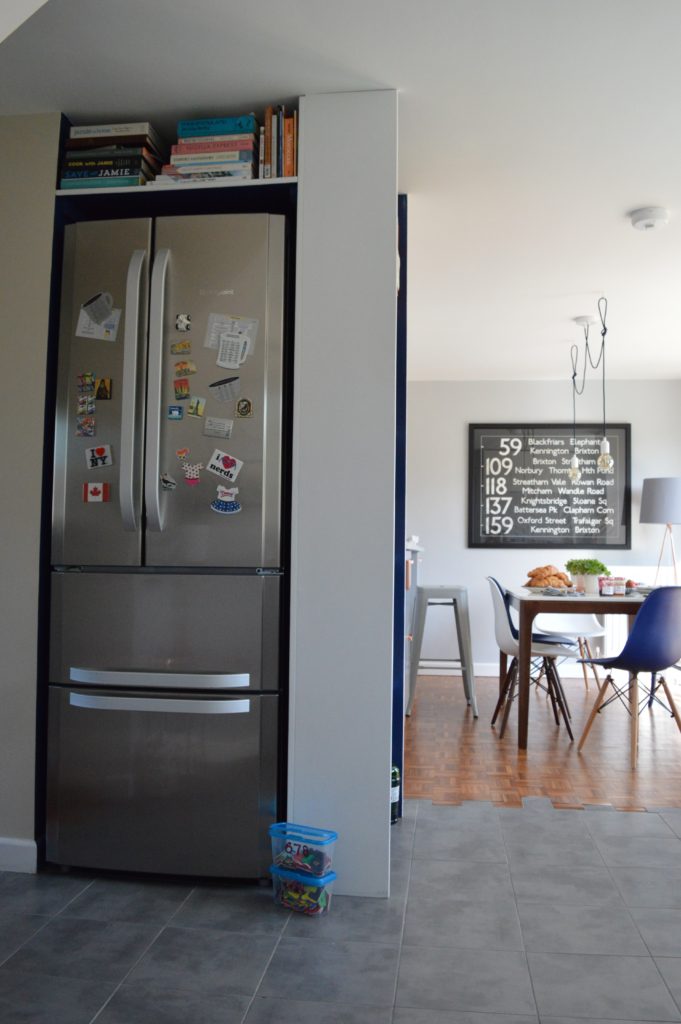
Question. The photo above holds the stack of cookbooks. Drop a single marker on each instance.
(213, 148)
(111, 155)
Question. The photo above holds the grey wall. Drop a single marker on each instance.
(438, 415)
(27, 179)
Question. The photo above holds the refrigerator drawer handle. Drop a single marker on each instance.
(152, 483)
(161, 680)
(160, 704)
(129, 389)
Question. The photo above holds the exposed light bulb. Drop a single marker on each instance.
(605, 461)
(574, 472)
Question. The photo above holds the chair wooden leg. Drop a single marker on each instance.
(670, 700)
(582, 654)
(504, 691)
(633, 707)
(593, 667)
(509, 700)
(594, 712)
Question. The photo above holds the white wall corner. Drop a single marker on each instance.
(18, 855)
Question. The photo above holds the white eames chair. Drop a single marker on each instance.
(581, 628)
(548, 652)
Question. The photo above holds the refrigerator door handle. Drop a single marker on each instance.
(128, 404)
(152, 485)
(160, 704)
(161, 680)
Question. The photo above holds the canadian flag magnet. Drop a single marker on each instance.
(96, 492)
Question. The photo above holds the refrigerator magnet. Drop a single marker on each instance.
(175, 412)
(168, 482)
(192, 473)
(99, 456)
(216, 427)
(182, 453)
(244, 408)
(96, 492)
(225, 390)
(85, 426)
(224, 465)
(184, 368)
(226, 503)
(85, 404)
(183, 322)
(179, 348)
(103, 389)
(181, 389)
(197, 406)
(85, 382)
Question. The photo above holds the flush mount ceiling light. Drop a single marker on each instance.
(649, 217)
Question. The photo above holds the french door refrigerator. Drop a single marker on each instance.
(166, 546)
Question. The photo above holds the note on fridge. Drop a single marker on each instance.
(233, 337)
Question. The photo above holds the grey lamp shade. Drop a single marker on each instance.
(661, 500)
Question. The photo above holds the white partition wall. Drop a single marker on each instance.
(343, 480)
(27, 174)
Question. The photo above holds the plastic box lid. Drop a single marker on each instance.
(304, 833)
(313, 881)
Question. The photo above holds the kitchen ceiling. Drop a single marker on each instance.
(528, 129)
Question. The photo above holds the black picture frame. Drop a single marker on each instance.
(547, 509)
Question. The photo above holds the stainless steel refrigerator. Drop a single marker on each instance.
(166, 581)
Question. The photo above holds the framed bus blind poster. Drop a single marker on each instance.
(520, 494)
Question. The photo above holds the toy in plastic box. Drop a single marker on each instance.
(302, 848)
(302, 893)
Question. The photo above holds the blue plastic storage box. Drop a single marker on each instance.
(301, 892)
(302, 848)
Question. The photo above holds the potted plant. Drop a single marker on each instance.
(585, 573)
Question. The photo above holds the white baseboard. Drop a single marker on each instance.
(569, 669)
(18, 855)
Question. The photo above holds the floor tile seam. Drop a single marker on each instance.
(129, 972)
(676, 1001)
(265, 969)
(77, 896)
(27, 939)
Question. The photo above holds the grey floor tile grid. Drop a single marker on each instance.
(498, 916)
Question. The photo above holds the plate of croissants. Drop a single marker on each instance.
(548, 577)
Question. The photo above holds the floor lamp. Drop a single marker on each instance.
(661, 503)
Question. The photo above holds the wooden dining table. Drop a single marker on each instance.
(529, 604)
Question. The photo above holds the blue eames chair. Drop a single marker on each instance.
(654, 645)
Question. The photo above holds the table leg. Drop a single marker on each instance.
(503, 669)
(526, 618)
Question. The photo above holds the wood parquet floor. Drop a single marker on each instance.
(450, 756)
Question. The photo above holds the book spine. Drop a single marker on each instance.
(108, 141)
(226, 156)
(108, 182)
(83, 131)
(280, 142)
(209, 171)
(187, 140)
(288, 147)
(218, 125)
(268, 143)
(104, 163)
(295, 143)
(106, 172)
(223, 144)
(275, 145)
(261, 154)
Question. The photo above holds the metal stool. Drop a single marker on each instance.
(456, 598)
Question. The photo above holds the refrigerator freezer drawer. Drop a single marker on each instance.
(171, 783)
(150, 630)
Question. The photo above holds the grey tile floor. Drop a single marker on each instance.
(498, 916)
